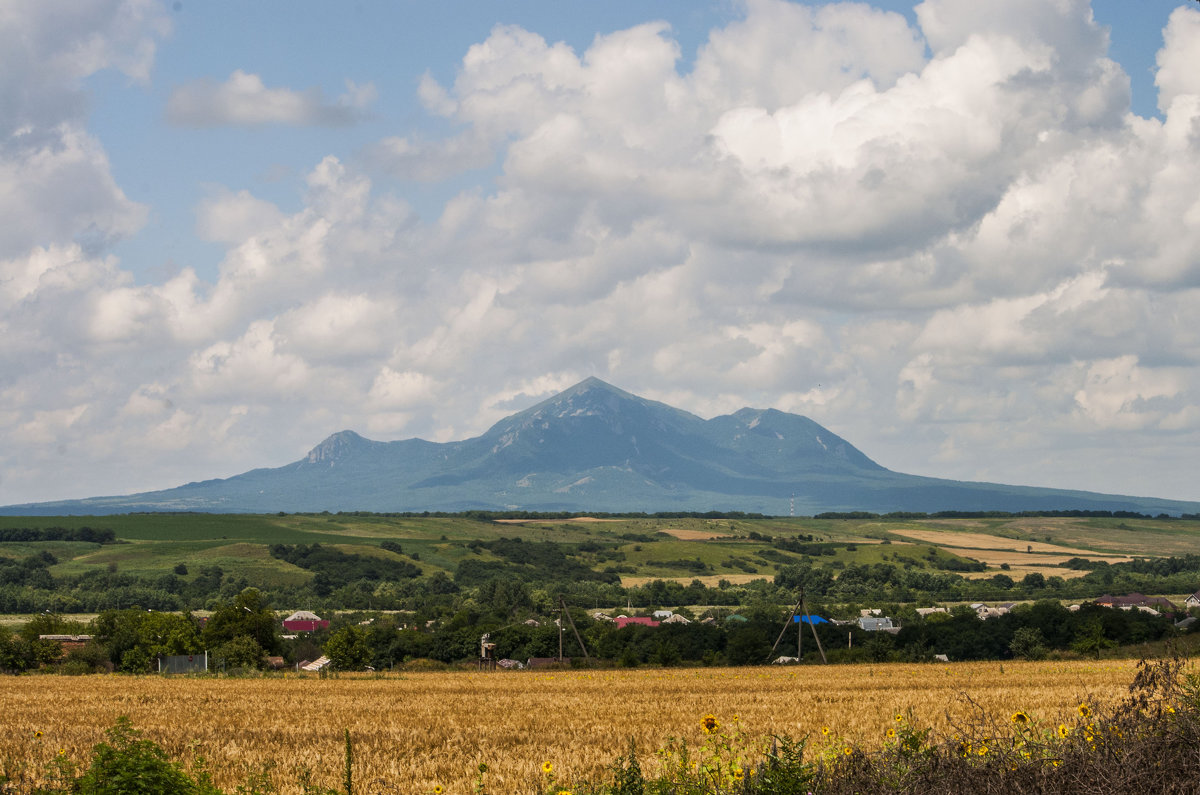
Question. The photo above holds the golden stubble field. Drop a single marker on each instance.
(414, 732)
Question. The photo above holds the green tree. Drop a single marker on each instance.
(247, 615)
(134, 638)
(348, 649)
(1028, 644)
(15, 653)
(1090, 639)
(1033, 581)
(242, 651)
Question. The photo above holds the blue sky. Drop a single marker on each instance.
(960, 233)
(390, 45)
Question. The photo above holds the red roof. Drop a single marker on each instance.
(306, 625)
(624, 621)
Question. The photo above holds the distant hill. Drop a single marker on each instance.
(597, 448)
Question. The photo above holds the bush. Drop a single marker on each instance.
(128, 765)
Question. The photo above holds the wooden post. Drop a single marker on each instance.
(783, 631)
(813, 628)
(574, 629)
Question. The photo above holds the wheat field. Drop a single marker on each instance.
(415, 732)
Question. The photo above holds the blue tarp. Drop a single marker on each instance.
(808, 620)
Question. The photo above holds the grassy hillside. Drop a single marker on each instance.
(639, 549)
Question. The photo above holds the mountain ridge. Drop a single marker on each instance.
(595, 447)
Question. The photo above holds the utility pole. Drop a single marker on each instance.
(564, 613)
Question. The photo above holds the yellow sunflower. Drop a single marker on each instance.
(1085, 711)
(547, 767)
(1020, 718)
(891, 732)
(437, 790)
(738, 773)
(847, 750)
(825, 730)
(1063, 730)
(709, 723)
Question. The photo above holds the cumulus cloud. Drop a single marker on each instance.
(55, 181)
(244, 100)
(429, 161)
(950, 241)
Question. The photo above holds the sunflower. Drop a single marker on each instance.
(709, 723)
(899, 717)
(1085, 711)
(982, 750)
(825, 730)
(38, 734)
(738, 773)
(891, 733)
(547, 767)
(1063, 731)
(847, 750)
(1020, 718)
(437, 790)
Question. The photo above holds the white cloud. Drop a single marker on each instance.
(394, 390)
(1177, 77)
(970, 260)
(429, 161)
(55, 180)
(234, 217)
(244, 100)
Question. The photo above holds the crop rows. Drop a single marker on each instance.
(417, 731)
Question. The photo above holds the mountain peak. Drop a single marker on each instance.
(336, 447)
(592, 384)
(594, 447)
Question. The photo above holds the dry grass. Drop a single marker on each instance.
(692, 535)
(414, 732)
(1047, 564)
(977, 541)
(1018, 572)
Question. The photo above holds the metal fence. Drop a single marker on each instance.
(184, 664)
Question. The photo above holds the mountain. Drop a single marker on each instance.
(597, 448)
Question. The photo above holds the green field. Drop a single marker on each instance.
(681, 549)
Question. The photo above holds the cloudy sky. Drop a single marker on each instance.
(964, 235)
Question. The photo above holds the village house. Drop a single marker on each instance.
(624, 621)
(1137, 600)
(877, 624)
(1192, 601)
(304, 621)
(68, 642)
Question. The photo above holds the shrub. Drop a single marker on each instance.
(128, 765)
